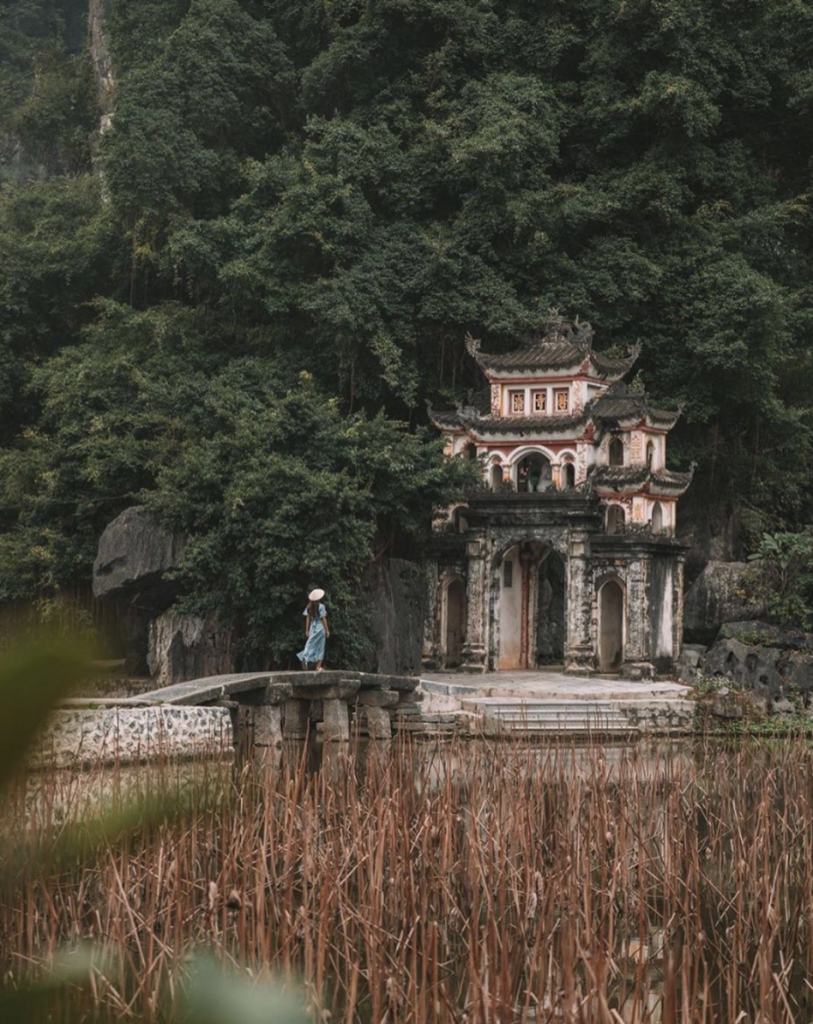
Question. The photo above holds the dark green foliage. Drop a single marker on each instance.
(59, 249)
(55, 122)
(346, 188)
(785, 563)
(276, 488)
(47, 90)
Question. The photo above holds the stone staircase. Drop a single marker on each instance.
(498, 715)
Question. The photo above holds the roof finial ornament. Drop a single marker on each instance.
(584, 333)
(556, 327)
(472, 344)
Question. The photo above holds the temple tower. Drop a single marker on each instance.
(567, 554)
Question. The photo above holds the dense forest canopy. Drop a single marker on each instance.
(229, 305)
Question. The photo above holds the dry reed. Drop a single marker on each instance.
(478, 883)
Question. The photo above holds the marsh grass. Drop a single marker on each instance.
(479, 883)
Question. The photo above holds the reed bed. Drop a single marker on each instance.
(478, 883)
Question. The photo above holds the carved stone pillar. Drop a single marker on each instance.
(430, 652)
(636, 641)
(475, 649)
(677, 606)
(579, 649)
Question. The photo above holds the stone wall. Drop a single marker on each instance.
(76, 736)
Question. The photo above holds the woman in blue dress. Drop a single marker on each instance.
(316, 631)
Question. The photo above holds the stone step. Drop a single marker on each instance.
(600, 716)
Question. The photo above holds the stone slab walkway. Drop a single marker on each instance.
(548, 685)
(551, 702)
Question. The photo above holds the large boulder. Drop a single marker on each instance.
(181, 647)
(749, 668)
(723, 592)
(771, 662)
(133, 555)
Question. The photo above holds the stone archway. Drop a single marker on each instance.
(611, 626)
(534, 472)
(553, 538)
(530, 612)
(455, 623)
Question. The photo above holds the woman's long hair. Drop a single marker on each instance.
(313, 610)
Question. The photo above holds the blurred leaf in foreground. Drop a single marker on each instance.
(32, 682)
(35, 1001)
(218, 997)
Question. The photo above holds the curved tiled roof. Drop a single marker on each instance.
(449, 420)
(618, 403)
(623, 478)
(540, 356)
(525, 424)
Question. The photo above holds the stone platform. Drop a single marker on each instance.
(550, 702)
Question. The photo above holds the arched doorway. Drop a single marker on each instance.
(496, 477)
(611, 627)
(455, 623)
(569, 476)
(534, 473)
(531, 607)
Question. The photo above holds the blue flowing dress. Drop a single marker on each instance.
(315, 645)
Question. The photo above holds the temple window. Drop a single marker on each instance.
(496, 476)
(616, 452)
(561, 399)
(516, 402)
(615, 519)
(569, 476)
(540, 401)
(657, 518)
(507, 574)
(650, 454)
(534, 474)
(470, 451)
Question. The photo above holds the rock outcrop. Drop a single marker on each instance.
(396, 591)
(773, 663)
(181, 647)
(133, 555)
(723, 592)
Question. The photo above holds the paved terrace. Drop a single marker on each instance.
(549, 684)
(550, 702)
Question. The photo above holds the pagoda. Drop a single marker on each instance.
(567, 555)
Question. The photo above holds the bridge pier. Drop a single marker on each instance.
(335, 720)
(295, 719)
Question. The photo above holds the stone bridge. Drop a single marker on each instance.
(248, 710)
